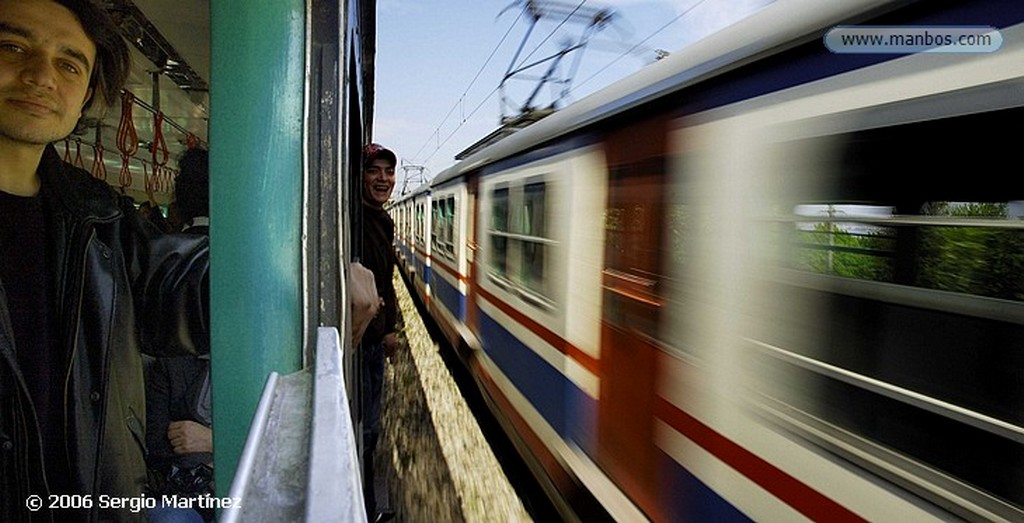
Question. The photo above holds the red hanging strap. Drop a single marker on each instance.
(79, 162)
(99, 169)
(127, 138)
(169, 176)
(159, 149)
(67, 149)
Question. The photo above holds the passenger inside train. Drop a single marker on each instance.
(86, 288)
(379, 339)
(179, 416)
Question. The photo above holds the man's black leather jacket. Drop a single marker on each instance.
(122, 288)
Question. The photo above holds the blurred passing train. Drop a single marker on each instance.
(758, 279)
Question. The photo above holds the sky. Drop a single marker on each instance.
(440, 63)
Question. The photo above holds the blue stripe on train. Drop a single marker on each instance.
(449, 296)
(406, 251)
(569, 411)
(689, 499)
(573, 414)
(421, 268)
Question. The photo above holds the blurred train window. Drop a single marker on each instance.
(518, 234)
(972, 259)
(420, 225)
(443, 226)
(842, 246)
(449, 222)
(533, 231)
(499, 230)
(967, 252)
(923, 204)
(910, 321)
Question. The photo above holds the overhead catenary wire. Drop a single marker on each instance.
(550, 35)
(640, 43)
(437, 132)
(436, 135)
(462, 98)
(449, 137)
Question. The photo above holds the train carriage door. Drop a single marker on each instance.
(472, 187)
(631, 306)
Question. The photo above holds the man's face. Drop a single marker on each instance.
(378, 181)
(45, 63)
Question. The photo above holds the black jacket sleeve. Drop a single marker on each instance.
(171, 290)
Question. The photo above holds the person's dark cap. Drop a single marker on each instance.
(375, 151)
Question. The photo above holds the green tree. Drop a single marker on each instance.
(849, 250)
(972, 259)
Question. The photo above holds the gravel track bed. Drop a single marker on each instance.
(438, 464)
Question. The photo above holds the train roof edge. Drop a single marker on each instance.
(791, 22)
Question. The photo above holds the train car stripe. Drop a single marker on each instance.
(437, 262)
(790, 490)
(448, 295)
(581, 484)
(560, 344)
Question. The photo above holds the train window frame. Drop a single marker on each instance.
(443, 219)
(909, 221)
(509, 199)
(450, 226)
(497, 231)
(533, 239)
(435, 224)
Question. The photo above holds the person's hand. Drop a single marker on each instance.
(390, 344)
(188, 436)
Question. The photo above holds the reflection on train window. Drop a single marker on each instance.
(970, 258)
(435, 224)
(903, 318)
(966, 247)
(844, 246)
(449, 212)
(532, 269)
(520, 246)
(499, 229)
(443, 227)
(420, 224)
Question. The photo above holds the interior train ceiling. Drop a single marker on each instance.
(172, 36)
(185, 24)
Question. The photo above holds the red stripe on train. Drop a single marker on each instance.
(560, 479)
(790, 490)
(587, 361)
(436, 262)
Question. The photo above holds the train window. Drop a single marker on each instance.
(841, 245)
(947, 222)
(438, 227)
(420, 223)
(533, 232)
(974, 248)
(910, 323)
(499, 231)
(969, 258)
(443, 223)
(449, 226)
(519, 244)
